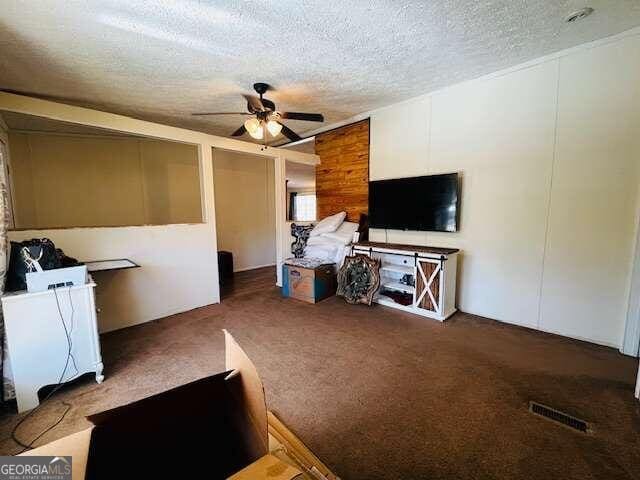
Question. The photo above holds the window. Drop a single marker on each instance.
(305, 207)
(72, 180)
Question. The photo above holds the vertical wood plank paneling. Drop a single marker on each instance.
(342, 178)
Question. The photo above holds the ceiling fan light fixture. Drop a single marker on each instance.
(258, 134)
(274, 128)
(252, 125)
(255, 128)
(265, 119)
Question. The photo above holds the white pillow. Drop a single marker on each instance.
(344, 234)
(320, 240)
(328, 224)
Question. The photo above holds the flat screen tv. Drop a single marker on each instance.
(427, 203)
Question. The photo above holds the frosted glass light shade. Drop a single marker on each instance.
(255, 128)
(274, 128)
(258, 133)
(252, 125)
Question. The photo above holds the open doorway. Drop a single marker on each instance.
(301, 200)
(244, 188)
(301, 192)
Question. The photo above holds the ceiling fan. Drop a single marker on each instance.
(265, 118)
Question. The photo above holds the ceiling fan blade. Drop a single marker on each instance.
(239, 132)
(255, 103)
(220, 113)
(290, 134)
(309, 117)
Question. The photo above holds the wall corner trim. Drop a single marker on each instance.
(631, 340)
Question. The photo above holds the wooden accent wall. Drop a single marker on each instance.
(342, 178)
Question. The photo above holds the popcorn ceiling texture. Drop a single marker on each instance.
(160, 60)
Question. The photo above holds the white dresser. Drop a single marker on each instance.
(40, 327)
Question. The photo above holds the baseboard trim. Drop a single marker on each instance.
(254, 267)
(602, 343)
(536, 328)
(166, 313)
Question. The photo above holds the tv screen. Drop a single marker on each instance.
(427, 203)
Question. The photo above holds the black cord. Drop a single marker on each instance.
(28, 446)
(69, 336)
(67, 333)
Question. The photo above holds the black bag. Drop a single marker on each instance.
(41, 249)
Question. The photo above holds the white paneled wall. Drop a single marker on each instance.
(504, 148)
(400, 152)
(594, 200)
(549, 157)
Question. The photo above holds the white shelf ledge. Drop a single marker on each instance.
(390, 267)
(401, 287)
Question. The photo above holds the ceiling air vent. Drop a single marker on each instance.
(578, 15)
(559, 417)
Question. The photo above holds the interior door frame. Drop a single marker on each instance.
(282, 234)
(631, 339)
(280, 194)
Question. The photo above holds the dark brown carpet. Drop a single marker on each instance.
(379, 394)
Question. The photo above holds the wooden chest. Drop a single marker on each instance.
(309, 284)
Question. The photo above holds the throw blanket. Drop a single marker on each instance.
(301, 234)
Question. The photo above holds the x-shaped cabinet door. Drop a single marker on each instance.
(427, 294)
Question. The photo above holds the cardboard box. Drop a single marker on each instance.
(213, 428)
(309, 284)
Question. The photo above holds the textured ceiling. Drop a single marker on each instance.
(159, 60)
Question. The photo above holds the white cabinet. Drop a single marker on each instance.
(420, 280)
(46, 331)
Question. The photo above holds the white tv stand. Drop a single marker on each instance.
(415, 279)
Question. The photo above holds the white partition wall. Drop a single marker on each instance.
(179, 268)
(283, 227)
